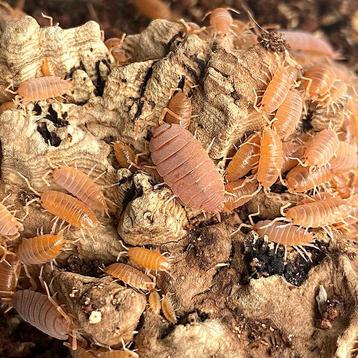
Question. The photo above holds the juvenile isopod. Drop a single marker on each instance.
(9, 226)
(186, 168)
(153, 9)
(124, 154)
(178, 110)
(319, 213)
(284, 234)
(244, 159)
(242, 192)
(82, 186)
(149, 259)
(114, 46)
(288, 114)
(154, 302)
(307, 42)
(42, 88)
(36, 309)
(69, 209)
(168, 309)
(40, 249)
(321, 148)
(277, 90)
(301, 179)
(130, 276)
(9, 273)
(47, 67)
(271, 158)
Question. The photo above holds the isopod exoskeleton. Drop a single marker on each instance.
(154, 302)
(271, 158)
(186, 168)
(221, 21)
(124, 154)
(291, 151)
(168, 309)
(178, 110)
(9, 273)
(69, 209)
(9, 226)
(42, 88)
(130, 276)
(148, 259)
(82, 186)
(345, 159)
(40, 249)
(36, 309)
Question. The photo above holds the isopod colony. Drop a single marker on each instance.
(175, 136)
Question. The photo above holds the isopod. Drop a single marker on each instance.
(244, 159)
(307, 42)
(9, 226)
(47, 67)
(345, 159)
(288, 114)
(114, 45)
(42, 88)
(9, 274)
(284, 234)
(149, 259)
(321, 148)
(319, 213)
(277, 90)
(153, 9)
(124, 154)
(291, 151)
(178, 110)
(271, 158)
(69, 209)
(83, 353)
(221, 21)
(243, 191)
(130, 276)
(7, 106)
(186, 168)
(36, 309)
(154, 302)
(319, 80)
(301, 179)
(82, 186)
(168, 309)
(40, 249)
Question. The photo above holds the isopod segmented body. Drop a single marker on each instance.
(291, 151)
(276, 91)
(301, 179)
(69, 209)
(124, 154)
(82, 186)
(321, 148)
(345, 159)
(154, 302)
(42, 88)
(130, 276)
(244, 159)
(179, 110)
(151, 260)
(307, 42)
(40, 249)
(288, 114)
(271, 158)
(9, 274)
(9, 226)
(242, 190)
(319, 213)
(186, 168)
(168, 309)
(283, 233)
(221, 21)
(36, 309)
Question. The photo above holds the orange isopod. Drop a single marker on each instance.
(178, 110)
(301, 179)
(153, 9)
(271, 158)
(82, 186)
(124, 154)
(154, 302)
(221, 20)
(69, 209)
(345, 159)
(7, 106)
(42, 88)
(168, 309)
(283, 233)
(47, 67)
(320, 80)
(277, 90)
(40, 249)
(9, 226)
(321, 148)
(341, 183)
(36, 309)
(243, 191)
(9, 274)
(288, 114)
(319, 213)
(130, 276)
(151, 260)
(291, 151)
(244, 159)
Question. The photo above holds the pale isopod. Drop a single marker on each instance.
(345, 159)
(151, 260)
